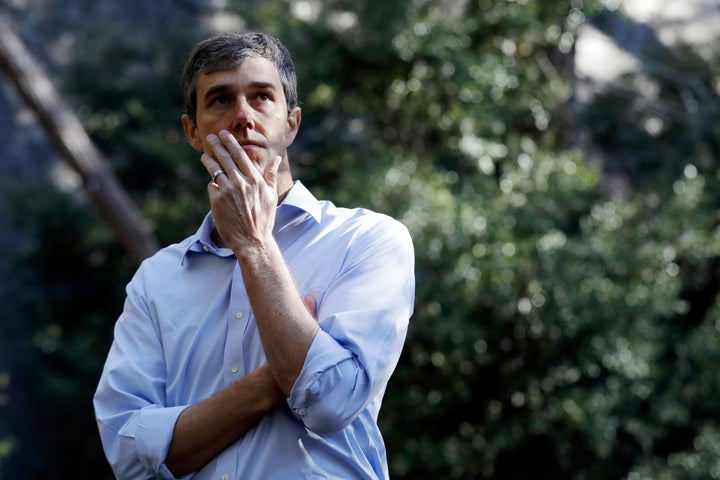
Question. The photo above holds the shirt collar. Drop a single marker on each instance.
(298, 200)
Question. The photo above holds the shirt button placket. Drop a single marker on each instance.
(234, 368)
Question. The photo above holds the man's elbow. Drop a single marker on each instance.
(335, 410)
(327, 420)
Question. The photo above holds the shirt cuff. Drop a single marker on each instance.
(153, 432)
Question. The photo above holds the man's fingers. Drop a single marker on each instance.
(238, 156)
(271, 172)
(214, 169)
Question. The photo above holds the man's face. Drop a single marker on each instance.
(249, 102)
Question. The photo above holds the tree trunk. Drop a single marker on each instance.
(67, 132)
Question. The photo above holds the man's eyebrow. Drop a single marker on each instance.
(215, 89)
(224, 87)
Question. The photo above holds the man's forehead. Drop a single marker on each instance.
(256, 70)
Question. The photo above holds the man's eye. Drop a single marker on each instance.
(220, 100)
(264, 97)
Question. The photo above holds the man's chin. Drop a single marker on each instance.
(259, 158)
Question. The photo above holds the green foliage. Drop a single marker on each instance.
(558, 332)
(550, 320)
(659, 129)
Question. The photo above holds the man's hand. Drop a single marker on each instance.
(243, 198)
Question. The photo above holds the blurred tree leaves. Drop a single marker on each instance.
(455, 135)
(551, 320)
(559, 332)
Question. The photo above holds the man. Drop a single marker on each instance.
(261, 346)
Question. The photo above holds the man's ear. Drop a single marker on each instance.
(192, 132)
(294, 117)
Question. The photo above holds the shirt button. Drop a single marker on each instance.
(206, 248)
(226, 477)
(234, 369)
(239, 315)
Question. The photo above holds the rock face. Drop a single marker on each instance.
(617, 42)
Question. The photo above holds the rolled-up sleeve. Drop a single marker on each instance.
(135, 427)
(364, 316)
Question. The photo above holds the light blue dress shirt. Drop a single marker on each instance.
(187, 331)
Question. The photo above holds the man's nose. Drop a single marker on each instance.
(243, 115)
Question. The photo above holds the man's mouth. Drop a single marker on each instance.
(250, 146)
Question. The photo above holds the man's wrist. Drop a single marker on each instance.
(255, 251)
(265, 378)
